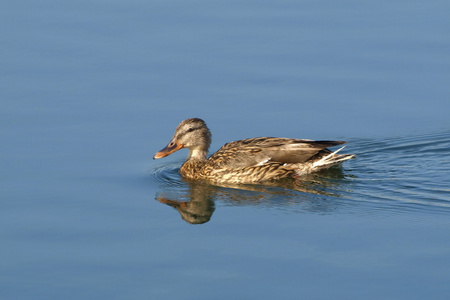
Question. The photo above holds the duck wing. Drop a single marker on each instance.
(258, 151)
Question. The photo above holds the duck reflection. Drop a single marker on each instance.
(200, 206)
(196, 201)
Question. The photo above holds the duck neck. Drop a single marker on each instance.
(197, 154)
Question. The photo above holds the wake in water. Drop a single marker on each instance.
(405, 174)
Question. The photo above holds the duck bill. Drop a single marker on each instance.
(172, 147)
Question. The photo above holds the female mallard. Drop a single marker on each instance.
(254, 160)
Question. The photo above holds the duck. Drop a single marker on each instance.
(249, 161)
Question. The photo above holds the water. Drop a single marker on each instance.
(90, 90)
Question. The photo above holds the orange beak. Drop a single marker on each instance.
(172, 147)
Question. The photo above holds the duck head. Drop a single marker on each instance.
(192, 134)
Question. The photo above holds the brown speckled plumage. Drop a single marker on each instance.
(254, 160)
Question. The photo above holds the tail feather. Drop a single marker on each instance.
(332, 159)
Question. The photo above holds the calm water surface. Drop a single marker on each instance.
(90, 90)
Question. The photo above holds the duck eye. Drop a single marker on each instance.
(190, 129)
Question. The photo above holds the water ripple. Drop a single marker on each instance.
(407, 173)
(166, 175)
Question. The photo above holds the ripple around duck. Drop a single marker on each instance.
(167, 175)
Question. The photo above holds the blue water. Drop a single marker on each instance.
(90, 90)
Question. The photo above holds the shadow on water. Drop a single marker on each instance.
(397, 175)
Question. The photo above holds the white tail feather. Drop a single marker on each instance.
(331, 159)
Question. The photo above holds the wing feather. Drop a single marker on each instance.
(257, 151)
